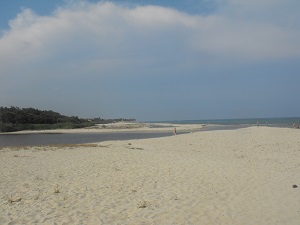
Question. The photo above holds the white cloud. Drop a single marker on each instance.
(83, 34)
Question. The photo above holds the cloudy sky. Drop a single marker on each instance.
(152, 60)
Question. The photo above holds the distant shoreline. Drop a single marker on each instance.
(117, 127)
(85, 136)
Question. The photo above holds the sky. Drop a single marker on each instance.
(152, 60)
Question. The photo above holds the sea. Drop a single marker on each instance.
(286, 122)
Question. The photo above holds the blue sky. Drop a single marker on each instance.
(152, 60)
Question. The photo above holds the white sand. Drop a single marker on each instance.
(233, 177)
(121, 127)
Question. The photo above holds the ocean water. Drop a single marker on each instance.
(275, 122)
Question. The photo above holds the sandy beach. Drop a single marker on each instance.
(121, 127)
(244, 176)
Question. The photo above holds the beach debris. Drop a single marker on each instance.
(142, 204)
(57, 189)
(12, 199)
(295, 186)
(129, 147)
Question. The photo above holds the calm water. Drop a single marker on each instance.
(78, 138)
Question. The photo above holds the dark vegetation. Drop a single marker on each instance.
(105, 121)
(16, 119)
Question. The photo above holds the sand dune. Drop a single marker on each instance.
(243, 176)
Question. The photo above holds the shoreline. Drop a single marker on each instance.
(145, 127)
(119, 132)
(111, 132)
(116, 127)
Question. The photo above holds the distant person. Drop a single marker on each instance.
(257, 123)
(174, 131)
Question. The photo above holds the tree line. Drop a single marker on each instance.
(16, 119)
(103, 121)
